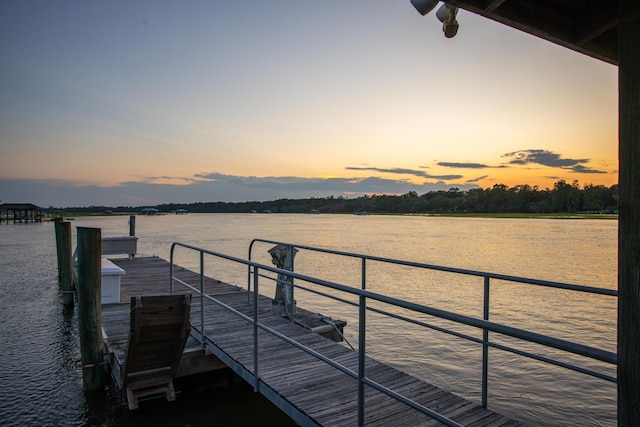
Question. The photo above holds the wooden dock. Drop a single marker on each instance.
(310, 391)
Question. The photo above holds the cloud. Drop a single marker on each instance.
(204, 187)
(480, 178)
(401, 171)
(549, 159)
(542, 157)
(166, 179)
(463, 165)
(584, 169)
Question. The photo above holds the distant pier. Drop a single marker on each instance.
(20, 213)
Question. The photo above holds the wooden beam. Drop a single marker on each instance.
(535, 18)
(629, 215)
(197, 361)
(553, 24)
(491, 5)
(594, 20)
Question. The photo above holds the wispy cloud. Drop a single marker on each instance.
(403, 171)
(462, 165)
(467, 165)
(584, 169)
(480, 178)
(166, 179)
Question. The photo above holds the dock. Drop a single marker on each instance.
(20, 213)
(311, 391)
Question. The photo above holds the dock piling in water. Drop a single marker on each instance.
(132, 225)
(90, 308)
(65, 261)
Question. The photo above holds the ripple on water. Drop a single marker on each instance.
(39, 349)
(38, 342)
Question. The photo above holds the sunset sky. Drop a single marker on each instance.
(133, 103)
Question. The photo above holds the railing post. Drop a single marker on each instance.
(256, 376)
(202, 331)
(171, 268)
(485, 345)
(362, 318)
(291, 251)
(248, 284)
(249, 271)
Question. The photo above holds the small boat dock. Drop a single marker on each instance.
(20, 213)
(303, 383)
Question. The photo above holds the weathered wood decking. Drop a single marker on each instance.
(310, 391)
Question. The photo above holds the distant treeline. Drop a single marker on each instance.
(562, 198)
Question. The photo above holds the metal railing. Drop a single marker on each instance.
(256, 271)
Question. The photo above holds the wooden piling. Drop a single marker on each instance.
(59, 250)
(132, 230)
(90, 309)
(132, 225)
(629, 219)
(65, 261)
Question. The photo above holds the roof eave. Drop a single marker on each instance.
(592, 31)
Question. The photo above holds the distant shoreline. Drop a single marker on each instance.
(527, 215)
(565, 216)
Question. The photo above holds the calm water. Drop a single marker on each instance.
(39, 340)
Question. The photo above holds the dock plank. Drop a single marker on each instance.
(311, 389)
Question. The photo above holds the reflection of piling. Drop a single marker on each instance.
(89, 308)
(65, 260)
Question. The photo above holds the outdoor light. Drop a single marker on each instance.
(424, 6)
(445, 14)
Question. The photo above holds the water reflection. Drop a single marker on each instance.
(39, 344)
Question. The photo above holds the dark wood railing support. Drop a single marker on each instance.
(629, 219)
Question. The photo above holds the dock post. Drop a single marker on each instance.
(90, 309)
(629, 214)
(59, 250)
(132, 230)
(65, 261)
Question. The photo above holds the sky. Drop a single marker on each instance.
(135, 103)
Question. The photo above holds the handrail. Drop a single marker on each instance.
(484, 324)
(598, 354)
(508, 278)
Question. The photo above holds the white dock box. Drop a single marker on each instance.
(110, 282)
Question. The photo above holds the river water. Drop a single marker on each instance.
(42, 386)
